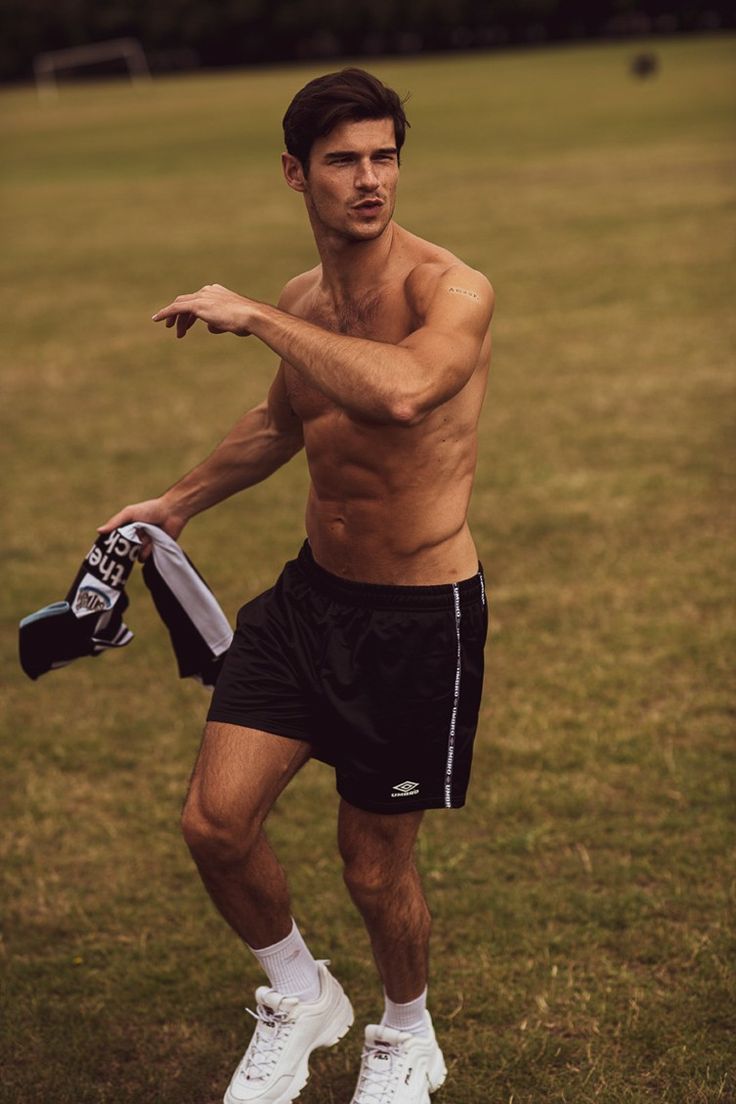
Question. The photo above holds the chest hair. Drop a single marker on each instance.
(354, 317)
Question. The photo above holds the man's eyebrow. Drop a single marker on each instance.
(355, 153)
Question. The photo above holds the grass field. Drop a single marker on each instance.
(584, 900)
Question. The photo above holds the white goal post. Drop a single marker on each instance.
(129, 50)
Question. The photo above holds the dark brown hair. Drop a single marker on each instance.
(351, 94)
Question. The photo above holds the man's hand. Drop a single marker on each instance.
(224, 311)
(156, 511)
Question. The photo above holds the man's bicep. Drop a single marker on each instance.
(450, 341)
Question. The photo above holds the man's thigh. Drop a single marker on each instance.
(240, 772)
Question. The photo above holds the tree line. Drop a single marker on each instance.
(179, 34)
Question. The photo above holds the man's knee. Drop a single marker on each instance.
(377, 852)
(374, 876)
(238, 776)
(216, 836)
(380, 886)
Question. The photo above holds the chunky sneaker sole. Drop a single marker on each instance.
(399, 1067)
(437, 1073)
(275, 1067)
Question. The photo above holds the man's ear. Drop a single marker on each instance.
(294, 174)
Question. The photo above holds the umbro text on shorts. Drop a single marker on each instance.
(383, 681)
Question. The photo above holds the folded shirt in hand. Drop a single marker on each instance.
(90, 619)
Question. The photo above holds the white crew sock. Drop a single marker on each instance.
(406, 1017)
(291, 969)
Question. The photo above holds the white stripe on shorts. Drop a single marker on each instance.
(455, 704)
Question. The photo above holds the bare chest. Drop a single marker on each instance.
(379, 317)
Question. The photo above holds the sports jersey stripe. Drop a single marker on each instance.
(456, 701)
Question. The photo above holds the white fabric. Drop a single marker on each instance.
(186, 586)
(290, 967)
(399, 1068)
(275, 1067)
(406, 1017)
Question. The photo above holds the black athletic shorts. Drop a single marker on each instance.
(383, 681)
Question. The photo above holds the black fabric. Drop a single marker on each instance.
(55, 637)
(193, 656)
(90, 619)
(384, 682)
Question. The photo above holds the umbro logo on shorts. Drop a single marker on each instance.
(406, 789)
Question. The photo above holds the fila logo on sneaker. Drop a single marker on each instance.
(405, 789)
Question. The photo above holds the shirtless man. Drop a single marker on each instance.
(368, 652)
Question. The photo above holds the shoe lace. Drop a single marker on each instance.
(377, 1083)
(272, 1030)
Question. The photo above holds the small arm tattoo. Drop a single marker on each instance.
(464, 291)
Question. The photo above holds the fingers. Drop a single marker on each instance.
(174, 315)
(179, 306)
(146, 547)
(192, 301)
(183, 322)
(124, 517)
(212, 303)
(118, 519)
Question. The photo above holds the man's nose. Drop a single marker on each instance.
(365, 176)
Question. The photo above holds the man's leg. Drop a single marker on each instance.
(380, 873)
(238, 776)
(401, 1058)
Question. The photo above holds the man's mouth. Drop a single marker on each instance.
(367, 204)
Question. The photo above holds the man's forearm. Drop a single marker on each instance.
(252, 450)
(372, 379)
(369, 378)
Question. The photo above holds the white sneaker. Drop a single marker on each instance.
(275, 1067)
(399, 1068)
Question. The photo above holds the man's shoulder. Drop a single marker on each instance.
(429, 261)
(436, 266)
(298, 287)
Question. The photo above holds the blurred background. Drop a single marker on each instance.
(184, 34)
(584, 900)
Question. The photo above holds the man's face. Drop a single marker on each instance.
(353, 173)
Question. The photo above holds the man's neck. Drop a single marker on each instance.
(351, 268)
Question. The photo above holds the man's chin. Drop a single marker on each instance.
(367, 231)
(352, 230)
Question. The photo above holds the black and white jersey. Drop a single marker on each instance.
(89, 620)
(200, 633)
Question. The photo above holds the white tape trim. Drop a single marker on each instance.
(456, 702)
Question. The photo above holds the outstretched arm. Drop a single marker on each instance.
(392, 383)
(259, 443)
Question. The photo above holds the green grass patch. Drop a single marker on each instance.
(584, 900)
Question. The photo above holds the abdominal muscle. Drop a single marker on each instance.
(389, 505)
